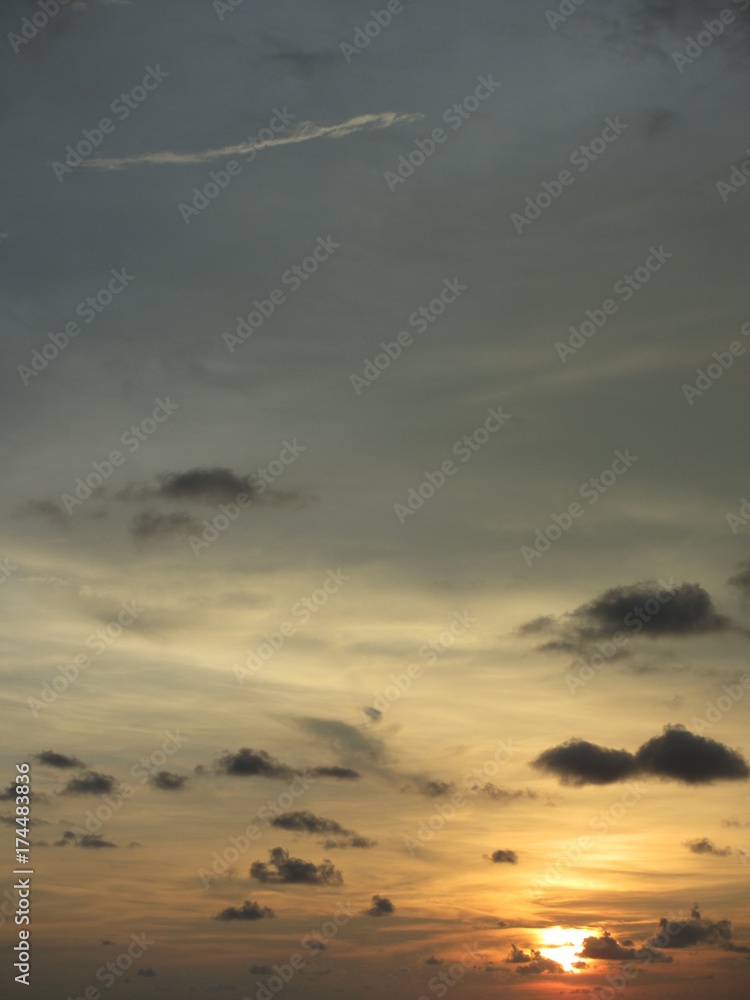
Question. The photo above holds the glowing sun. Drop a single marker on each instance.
(562, 945)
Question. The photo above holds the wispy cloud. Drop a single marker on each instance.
(303, 132)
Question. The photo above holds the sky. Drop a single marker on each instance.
(375, 566)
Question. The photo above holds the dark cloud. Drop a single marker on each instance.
(533, 963)
(683, 756)
(248, 911)
(260, 970)
(579, 762)
(340, 773)
(696, 931)
(307, 822)
(283, 869)
(607, 949)
(90, 783)
(217, 485)
(150, 524)
(93, 841)
(504, 858)
(677, 754)
(168, 782)
(433, 961)
(436, 789)
(735, 822)
(247, 761)
(354, 841)
(498, 794)
(706, 846)
(315, 945)
(650, 609)
(374, 714)
(87, 840)
(53, 759)
(381, 906)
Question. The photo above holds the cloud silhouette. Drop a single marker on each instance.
(281, 868)
(381, 906)
(248, 911)
(677, 755)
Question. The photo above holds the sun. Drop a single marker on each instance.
(562, 945)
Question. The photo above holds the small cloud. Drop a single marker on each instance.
(433, 961)
(60, 760)
(283, 869)
(504, 858)
(248, 911)
(381, 906)
(706, 846)
(90, 783)
(168, 782)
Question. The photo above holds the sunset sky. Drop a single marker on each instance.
(375, 573)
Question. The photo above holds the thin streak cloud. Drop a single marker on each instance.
(303, 132)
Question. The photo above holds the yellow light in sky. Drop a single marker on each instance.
(562, 945)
